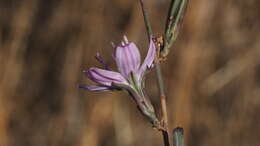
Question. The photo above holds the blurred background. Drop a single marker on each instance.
(212, 73)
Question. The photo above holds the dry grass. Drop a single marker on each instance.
(212, 74)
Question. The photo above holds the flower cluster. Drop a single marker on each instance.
(130, 75)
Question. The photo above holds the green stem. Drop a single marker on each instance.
(165, 133)
(178, 135)
(146, 21)
(160, 81)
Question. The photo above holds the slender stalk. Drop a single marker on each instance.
(165, 133)
(146, 20)
(178, 135)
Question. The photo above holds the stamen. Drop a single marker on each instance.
(123, 43)
(114, 52)
(101, 60)
(113, 45)
(125, 39)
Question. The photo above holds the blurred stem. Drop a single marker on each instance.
(146, 20)
(178, 135)
(165, 132)
(174, 19)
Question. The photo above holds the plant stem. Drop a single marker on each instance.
(146, 21)
(178, 135)
(165, 132)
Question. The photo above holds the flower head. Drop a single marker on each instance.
(130, 75)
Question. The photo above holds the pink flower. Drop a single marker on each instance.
(130, 75)
(128, 60)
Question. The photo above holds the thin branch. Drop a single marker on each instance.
(165, 133)
(146, 21)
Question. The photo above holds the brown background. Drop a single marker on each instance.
(211, 75)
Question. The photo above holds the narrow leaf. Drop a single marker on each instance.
(174, 19)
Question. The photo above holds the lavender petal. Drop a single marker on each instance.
(95, 88)
(105, 77)
(148, 61)
(127, 58)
